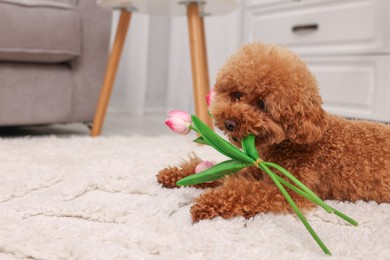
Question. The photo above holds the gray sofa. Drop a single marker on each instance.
(52, 60)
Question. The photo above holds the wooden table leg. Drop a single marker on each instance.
(110, 74)
(200, 75)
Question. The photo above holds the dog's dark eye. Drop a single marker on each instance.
(261, 104)
(236, 96)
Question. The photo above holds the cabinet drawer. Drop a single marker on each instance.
(323, 27)
(357, 87)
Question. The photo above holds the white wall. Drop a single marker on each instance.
(155, 71)
(130, 85)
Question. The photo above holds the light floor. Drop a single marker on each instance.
(115, 124)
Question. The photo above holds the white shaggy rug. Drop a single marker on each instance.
(97, 198)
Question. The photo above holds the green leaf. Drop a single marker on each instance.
(220, 144)
(214, 173)
(200, 140)
(248, 144)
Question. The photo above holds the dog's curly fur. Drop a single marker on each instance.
(268, 91)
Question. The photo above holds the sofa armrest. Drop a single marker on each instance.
(88, 69)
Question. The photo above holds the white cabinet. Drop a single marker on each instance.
(346, 44)
(354, 86)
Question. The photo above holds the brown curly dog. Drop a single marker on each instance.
(269, 91)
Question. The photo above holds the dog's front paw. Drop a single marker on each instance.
(170, 175)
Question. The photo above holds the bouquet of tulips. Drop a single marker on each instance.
(182, 123)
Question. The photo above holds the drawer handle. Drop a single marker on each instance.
(305, 28)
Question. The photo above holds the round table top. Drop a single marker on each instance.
(171, 7)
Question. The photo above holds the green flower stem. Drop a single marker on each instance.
(345, 217)
(295, 208)
(316, 200)
(192, 127)
(297, 190)
(312, 196)
(307, 196)
(301, 185)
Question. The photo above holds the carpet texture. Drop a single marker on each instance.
(97, 198)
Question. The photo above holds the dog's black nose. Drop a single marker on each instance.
(230, 124)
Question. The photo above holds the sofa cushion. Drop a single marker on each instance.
(35, 93)
(39, 30)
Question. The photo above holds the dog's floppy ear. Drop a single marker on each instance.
(305, 125)
(300, 114)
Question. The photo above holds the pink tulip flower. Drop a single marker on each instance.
(210, 97)
(203, 166)
(179, 122)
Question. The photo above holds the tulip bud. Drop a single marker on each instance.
(203, 166)
(210, 97)
(179, 122)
